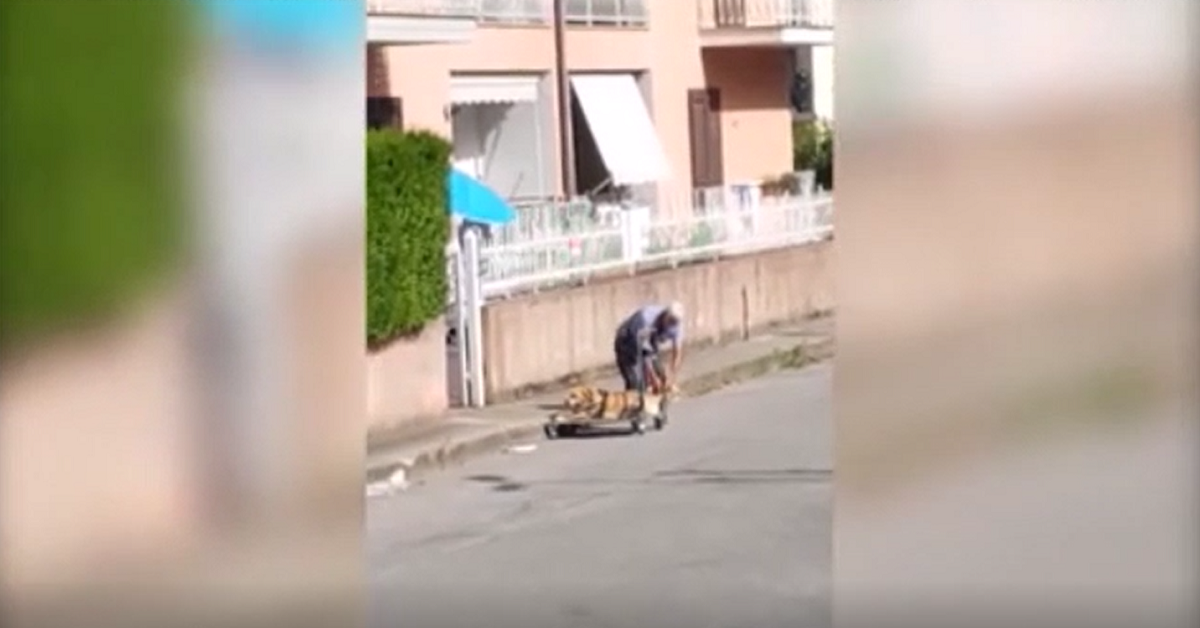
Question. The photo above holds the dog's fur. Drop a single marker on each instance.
(598, 404)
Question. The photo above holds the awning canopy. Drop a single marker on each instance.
(485, 89)
(621, 124)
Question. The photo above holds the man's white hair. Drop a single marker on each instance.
(675, 310)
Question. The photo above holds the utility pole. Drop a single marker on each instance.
(566, 146)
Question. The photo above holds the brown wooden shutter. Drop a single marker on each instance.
(704, 126)
(385, 112)
(716, 148)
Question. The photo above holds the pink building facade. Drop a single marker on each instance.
(668, 95)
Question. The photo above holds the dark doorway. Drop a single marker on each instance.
(704, 127)
(591, 174)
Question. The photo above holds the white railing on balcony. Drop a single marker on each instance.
(734, 14)
(605, 12)
(484, 11)
(562, 244)
(576, 12)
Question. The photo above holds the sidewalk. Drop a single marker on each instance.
(469, 432)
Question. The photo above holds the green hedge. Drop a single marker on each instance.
(408, 226)
(90, 205)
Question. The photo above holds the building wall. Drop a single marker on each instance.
(755, 113)
(668, 50)
(675, 67)
(406, 381)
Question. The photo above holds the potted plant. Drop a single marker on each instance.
(812, 154)
(772, 187)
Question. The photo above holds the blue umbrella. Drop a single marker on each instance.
(475, 201)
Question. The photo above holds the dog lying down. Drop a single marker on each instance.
(597, 404)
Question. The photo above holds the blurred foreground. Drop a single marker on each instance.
(1017, 313)
(183, 389)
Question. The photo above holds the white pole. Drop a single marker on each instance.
(474, 322)
(460, 316)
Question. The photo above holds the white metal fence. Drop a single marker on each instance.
(567, 243)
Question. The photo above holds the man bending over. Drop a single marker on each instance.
(643, 335)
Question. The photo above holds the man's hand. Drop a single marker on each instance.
(653, 383)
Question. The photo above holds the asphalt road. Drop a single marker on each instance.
(723, 519)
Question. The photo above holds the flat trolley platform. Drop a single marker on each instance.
(639, 420)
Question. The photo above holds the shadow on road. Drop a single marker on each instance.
(505, 484)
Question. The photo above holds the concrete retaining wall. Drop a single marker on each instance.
(406, 381)
(540, 338)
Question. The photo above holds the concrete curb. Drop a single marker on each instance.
(453, 452)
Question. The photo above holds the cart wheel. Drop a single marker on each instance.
(660, 422)
(551, 431)
(639, 428)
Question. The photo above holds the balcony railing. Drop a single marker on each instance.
(734, 14)
(577, 12)
(605, 12)
(483, 11)
(563, 243)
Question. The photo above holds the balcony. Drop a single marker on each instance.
(765, 22)
(619, 13)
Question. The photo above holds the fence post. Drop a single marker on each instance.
(810, 217)
(473, 323)
(633, 232)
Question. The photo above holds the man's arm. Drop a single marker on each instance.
(646, 349)
(676, 357)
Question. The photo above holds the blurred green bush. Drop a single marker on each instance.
(91, 211)
(408, 227)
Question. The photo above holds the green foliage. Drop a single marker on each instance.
(702, 235)
(408, 226)
(90, 204)
(812, 149)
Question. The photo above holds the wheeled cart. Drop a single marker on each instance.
(639, 419)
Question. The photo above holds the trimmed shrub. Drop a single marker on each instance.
(408, 226)
(91, 212)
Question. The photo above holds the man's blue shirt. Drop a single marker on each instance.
(643, 320)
